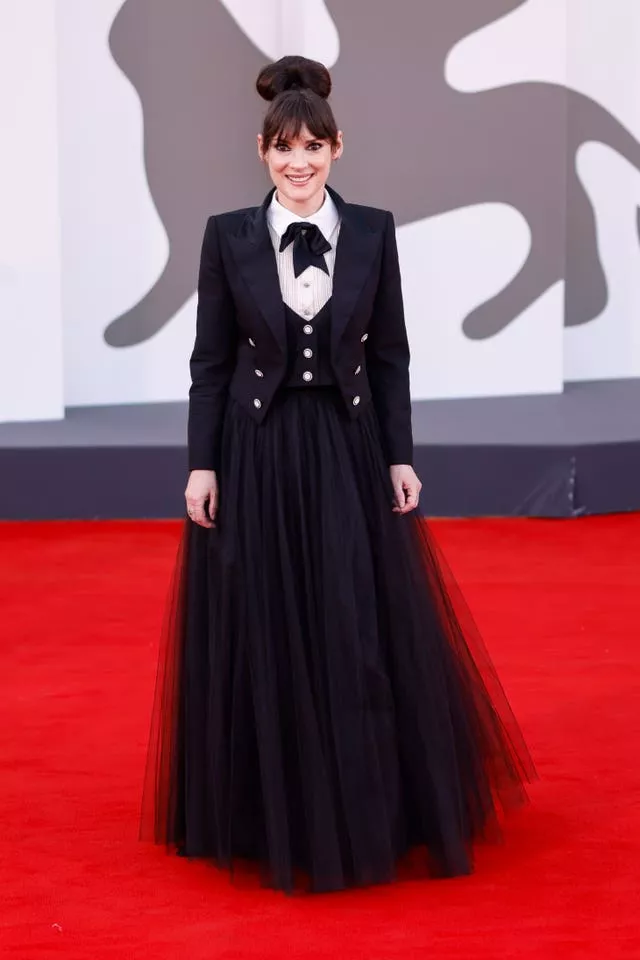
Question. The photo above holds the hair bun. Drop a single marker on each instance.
(293, 73)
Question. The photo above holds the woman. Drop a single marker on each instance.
(319, 711)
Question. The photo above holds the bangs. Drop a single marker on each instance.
(295, 109)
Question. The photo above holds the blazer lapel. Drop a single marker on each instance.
(254, 255)
(355, 252)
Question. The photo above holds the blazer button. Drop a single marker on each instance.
(357, 369)
(363, 337)
(307, 375)
(307, 352)
(356, 401)
(307, 328)
(252, 342)
(259, 373)
(257, 403)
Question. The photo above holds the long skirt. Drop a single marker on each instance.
(324, 706)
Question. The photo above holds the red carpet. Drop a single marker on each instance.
(81, 605)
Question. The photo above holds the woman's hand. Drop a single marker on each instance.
(406, 487)
(202, 497)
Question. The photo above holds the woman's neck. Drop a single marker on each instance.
(305, 208)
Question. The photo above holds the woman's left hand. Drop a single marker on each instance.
(406, 487)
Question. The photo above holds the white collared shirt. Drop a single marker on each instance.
(307, 293)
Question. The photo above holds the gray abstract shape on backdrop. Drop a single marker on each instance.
(415, 145)
(194, 70)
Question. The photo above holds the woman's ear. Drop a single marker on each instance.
(260, 146)
(337, 150)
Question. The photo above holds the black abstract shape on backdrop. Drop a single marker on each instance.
(414, 144)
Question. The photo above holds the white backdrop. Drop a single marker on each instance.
(30, 308)
(86, 222)
(590, 46)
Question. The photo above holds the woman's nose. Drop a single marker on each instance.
(298, 160)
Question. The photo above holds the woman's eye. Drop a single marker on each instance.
(314, 146)
(282, 147)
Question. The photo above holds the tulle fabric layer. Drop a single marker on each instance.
(324, 704)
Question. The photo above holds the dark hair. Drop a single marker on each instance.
(297, 91)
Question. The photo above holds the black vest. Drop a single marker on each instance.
(309, 343)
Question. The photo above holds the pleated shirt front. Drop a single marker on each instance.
(308, 293)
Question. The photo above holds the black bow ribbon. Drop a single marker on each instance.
(309, 246)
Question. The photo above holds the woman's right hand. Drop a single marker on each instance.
(202, 497)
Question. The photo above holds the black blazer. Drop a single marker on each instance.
(240, 326)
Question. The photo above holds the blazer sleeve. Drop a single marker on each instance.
(213, 358)
(387, 351)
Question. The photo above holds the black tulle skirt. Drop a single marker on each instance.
(324, 706)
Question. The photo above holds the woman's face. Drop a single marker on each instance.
(299, 169)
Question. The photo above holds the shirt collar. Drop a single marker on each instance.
(326, 218)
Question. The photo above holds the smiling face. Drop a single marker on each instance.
(299, 168)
